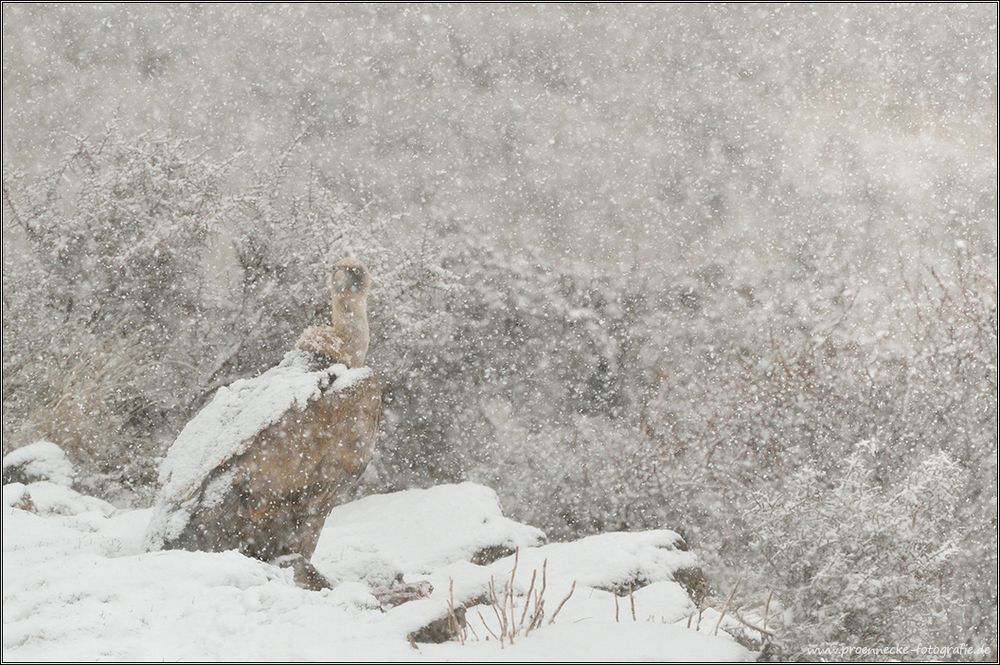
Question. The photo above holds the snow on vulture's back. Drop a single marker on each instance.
(246, 452)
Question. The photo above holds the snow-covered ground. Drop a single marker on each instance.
(77, 585)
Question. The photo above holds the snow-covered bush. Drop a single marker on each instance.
(41, 460)
(858, 560)
(138, 280)
(107, 311)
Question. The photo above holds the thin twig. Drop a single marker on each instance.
(527, 599)
(494, 602)
(536, 620)
(767, 606)
(473, 629)
(556, 613)
(545, 565)
(453, 622)
(725, 606)
(487, 627)
(736, 615)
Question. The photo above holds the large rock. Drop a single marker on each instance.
(261, 467)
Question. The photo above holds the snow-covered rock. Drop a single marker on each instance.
(602, 568)
(44, 497)
(417, 531)
(41, 460)
(610, 561)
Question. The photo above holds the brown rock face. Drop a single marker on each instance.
(289, 478)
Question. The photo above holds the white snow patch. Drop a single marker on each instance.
(608, 560)
(600, 641)
(49, 498)
(41, 460)
(417, 531)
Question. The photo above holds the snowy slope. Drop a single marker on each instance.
(224, 427)
(77, 584)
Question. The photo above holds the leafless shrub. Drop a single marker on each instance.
(514, 616)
